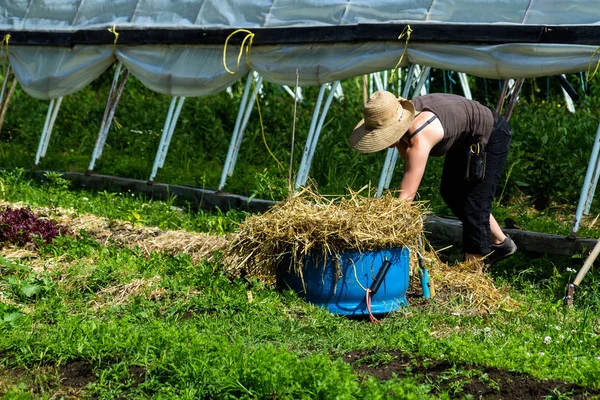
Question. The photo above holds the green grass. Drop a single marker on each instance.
(161, 326)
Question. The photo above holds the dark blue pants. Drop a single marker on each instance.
(471, 202)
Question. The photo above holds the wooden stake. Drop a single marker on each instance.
(365, 89)
(293, 132)
(13, 86)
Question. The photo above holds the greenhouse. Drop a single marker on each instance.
(179, 49)
(134, 264)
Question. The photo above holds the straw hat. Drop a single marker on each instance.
(386, 120)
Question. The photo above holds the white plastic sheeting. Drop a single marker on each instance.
(49, 72)
(197, 70)
(182, 70)
(91, 14)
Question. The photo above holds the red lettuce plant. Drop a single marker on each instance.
(22, 226)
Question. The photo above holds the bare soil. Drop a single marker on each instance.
(478, 382)
(77, 374)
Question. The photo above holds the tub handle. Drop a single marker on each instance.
(380, 276)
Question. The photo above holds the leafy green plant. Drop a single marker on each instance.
(268, 185)
(56, 181)
(31, 288)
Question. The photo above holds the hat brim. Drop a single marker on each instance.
(367, 140)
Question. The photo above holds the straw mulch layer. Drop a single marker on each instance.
(112, 296)
(198, 246)
(307, 223)
(290, 230)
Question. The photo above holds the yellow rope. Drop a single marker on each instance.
(113, 30)
(589, 76)
(355, 276)
(249, 37)
(5, 41)
(406, 32)
(262, 127)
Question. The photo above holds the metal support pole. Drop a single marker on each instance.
(420, 89)
(339, 93)
(109, 113)
(568, 100)
(464, 82)
(242, 130)
(399, 80)
(592, 190)
(515, 90)
(502, 96)
(291, 93)
(38, 154)
(236, 129)
(421, 83)
(313, 144)
(586, 193)
(309, 138)
(391, 156)
(163, 138)
(385, 80)
(47, 131)
(409, 78)
(111, 95)
(163, 155)
(51, 125)
(377, 80)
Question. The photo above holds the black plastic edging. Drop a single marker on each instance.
(422, 32)
(204, 198)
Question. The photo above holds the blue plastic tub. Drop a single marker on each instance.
(345, 294)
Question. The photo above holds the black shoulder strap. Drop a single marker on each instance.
(430, 120)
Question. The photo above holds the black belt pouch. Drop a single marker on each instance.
(475, 163)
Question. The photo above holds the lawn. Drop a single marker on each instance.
(105, 312)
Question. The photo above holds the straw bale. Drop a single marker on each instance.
(307, 222)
